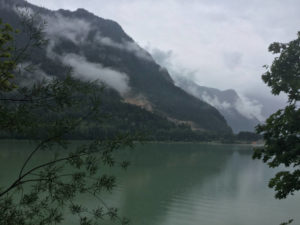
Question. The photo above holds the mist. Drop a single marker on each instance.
(226, 42)
(125, 46)
(77, 31)
(259, 104)
(73, 29)
(96, 72)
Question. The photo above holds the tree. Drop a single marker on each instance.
(247, 136)
(49, 111)
(281, 131)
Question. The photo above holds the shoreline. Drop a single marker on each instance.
(154, 142)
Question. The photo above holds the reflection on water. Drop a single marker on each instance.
(185, 184)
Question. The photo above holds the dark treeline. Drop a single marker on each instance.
(117, 117)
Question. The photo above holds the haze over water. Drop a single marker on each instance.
(184, 184)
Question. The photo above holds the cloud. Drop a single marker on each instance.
(28, 73)
(232, 59)
(89, 71)
(60, 27)
(96, 72)
(199, 33)
(163, 58)
(251, 109)
(73, 29)
(248, 107)
(125, 46)
(166, 60)
(215, 102)
(77, 30)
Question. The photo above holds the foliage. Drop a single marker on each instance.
(43, 193)
(288, 222)
(248, 136)
(281, 132)
(118, 116)
(7, 64)
(283, 75)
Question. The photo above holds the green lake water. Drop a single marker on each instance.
(183, 184)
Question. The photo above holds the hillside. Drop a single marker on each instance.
(228, 102)
(99, 49)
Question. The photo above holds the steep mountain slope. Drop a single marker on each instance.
(99, 49)
(227, 102)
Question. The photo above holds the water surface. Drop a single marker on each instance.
(184, 184)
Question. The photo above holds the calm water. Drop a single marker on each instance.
(184, 184)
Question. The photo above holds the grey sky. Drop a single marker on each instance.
(219, 43)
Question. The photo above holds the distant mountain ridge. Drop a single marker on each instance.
(97, 48)
(228, 102)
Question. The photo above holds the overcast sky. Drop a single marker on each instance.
(219, 43)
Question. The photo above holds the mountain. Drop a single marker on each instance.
(228, 102)
(99, 49)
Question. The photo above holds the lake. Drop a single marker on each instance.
(184, 184)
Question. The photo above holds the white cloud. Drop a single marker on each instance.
(249, 108)
(200, 33)
(96, 72)
(88, 71)
(214, 101)
(125, 46)
(29, 72)
(75, 30)
(232, 59)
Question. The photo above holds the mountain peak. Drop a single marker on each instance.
(83, 12)
(78, 12)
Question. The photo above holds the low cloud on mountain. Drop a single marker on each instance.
(215, 102)
(95, 71)
(73, 29)
(77, 30)
(250, 109)
(225, 41)
(88, 71)
(27, 72)
(125, 46)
